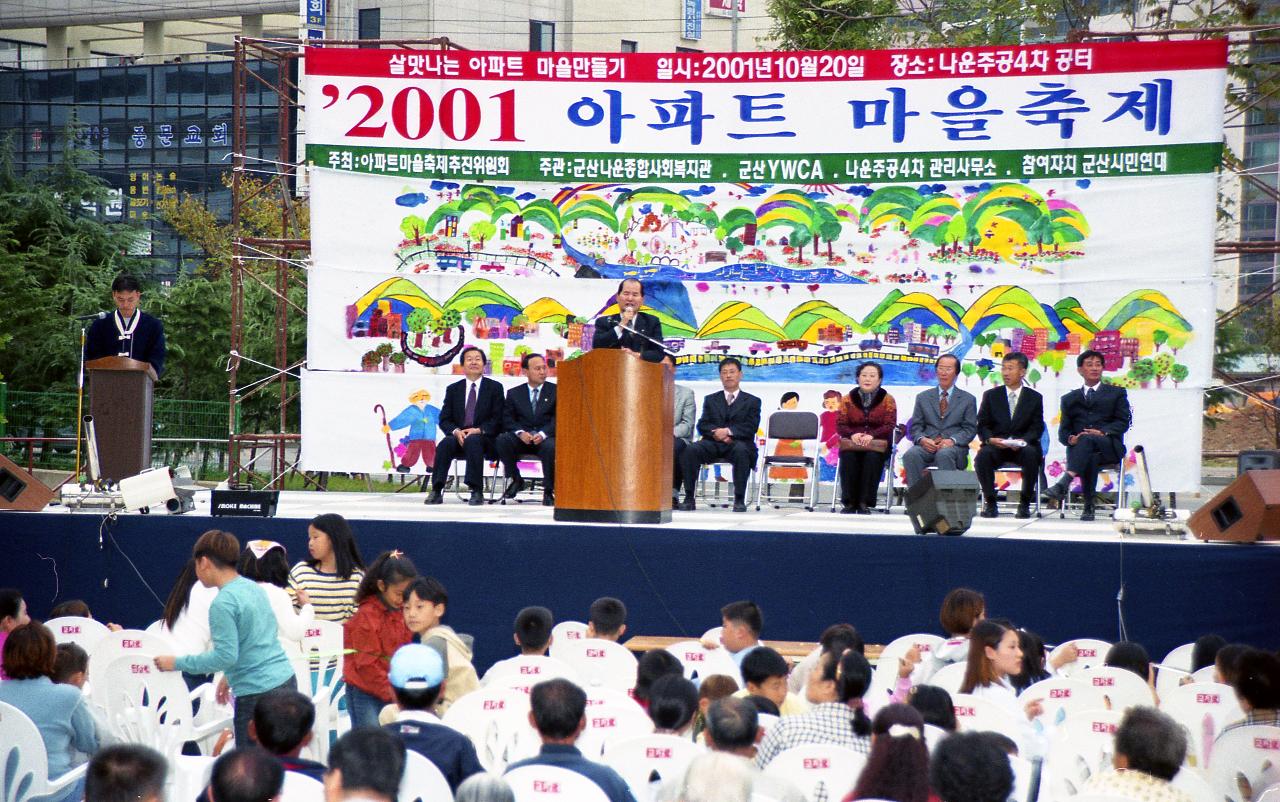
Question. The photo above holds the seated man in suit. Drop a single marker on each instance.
(943, 423)
(1094, 420)
(1010, 424)
(529, 427)
(620, 330)
(470, 419)
(728, 427)
(684, 419)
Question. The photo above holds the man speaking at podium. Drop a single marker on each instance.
(127, 331)
(630, 329)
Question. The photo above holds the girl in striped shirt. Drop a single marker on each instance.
(333, 574)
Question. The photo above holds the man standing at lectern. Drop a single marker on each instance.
(630, 329)
(127, 332)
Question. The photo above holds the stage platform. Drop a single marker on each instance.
(1060, 578)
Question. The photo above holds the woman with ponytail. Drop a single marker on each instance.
(835, 689)
(898, 767)
(995, 657)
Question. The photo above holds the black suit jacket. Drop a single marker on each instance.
(1028, 419)
(488, 407)
(742, 419)
(1108, 412)
(148, 345)
(607, 337)
(518, 415)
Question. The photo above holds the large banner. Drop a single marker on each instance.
(805, 212)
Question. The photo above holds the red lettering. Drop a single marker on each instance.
(507, 117)
(530, 669)
(1266, 743)
(1208, 699)
(573, 634)
(313, 633)
(923, 647)
(604, 722)
(964, 711)
(1087, 652)
(817, 763)
(544, 787)
(1059, 693)
(130, 644)
(140, 668)
(1104, 682)
(694, 657)
(494, 704)
(70, 629)
(374, 96)
(596, 653)
(470, 114)
(1102, 726)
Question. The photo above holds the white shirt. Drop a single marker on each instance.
(291, 626)
(190, 633)
(534, 405)
(729, 397)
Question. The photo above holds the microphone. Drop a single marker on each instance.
(658, 343)
(94, 316)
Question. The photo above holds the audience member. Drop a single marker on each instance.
(764, 706)
(712, 777)
(246, 774)
(70, 665)
(332, 576)
(652, 666)
(425, 603)
(741, 623)
(898, 767)
(417, 676)
(1227, 662)
(1131, 657)
(865, 423)
(126, 773)
(484, 788)
(60, 712)
(733, 728)
(673, 701)
(727, 427)
(995, 656)
(282, 722)
(365, 765)
(532, 635)
(961, 609)
(968, 767)
(1257, 684)
(470, 419)
(1149, 750)
(1033, 661)
(1010, 425)
(13, 614)
(935, 706)
(246, 647)
(1205, 651)
(529, 427)
(1093, 420)
(607, 619)
(186, 618)
(267, 563)
(76, 608)
(764, 673)
(711, 689)
(835, 689)
(836, 637)
(373, 634)
(558, 713)
(943, 423)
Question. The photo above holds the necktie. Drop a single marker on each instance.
(729, 397)
(942, 404)
(469, 416)
(1013, 402)
(1088, 395)
(535, 399)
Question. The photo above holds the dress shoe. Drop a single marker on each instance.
(1087, 514)
(514, 486)
(1024, 511)
(402, 469)
(436, 496)
(1056, 492)
(548, 500)
(863, 509)
(739, 506)
(687, 505)
(848, 509)
(989, 510)
(477, 498)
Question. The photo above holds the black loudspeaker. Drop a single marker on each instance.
(1257, 461)
(244, 503)
(20, 490)
(943, 502)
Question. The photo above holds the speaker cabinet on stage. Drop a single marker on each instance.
(1248, 510)
(20, 490)
(943, 502)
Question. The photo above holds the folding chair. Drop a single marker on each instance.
(1013, 467)
(460, 489)
(534, 482)
(890, 467)
(791, 427)
(708, 468)
(1116, 469)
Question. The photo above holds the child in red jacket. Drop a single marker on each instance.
(373, 634)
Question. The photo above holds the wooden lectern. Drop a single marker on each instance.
(614, 443)
(120, 398)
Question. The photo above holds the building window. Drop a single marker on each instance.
(630, 46)
(542, 36)
(370, 23)
(688, 50)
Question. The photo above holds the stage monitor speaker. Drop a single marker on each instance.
(20, 490)
(1257, 461)
(943, 502)
(1247, 510)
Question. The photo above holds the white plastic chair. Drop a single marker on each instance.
(611, 722)
(126, 641)
(933, 736)
(1061, 697)
(819, 769)
(1174, 668)
(1023, 773)
(886, 673)
(1244, 762)
(1121, 687)
(1206, 674)
(712, 635)
(976, 714)
(638, 759)
(600, 662)
(1203, 709)
(766, 720)
(188, 776)
(949, 677)
(422, 781)
(156, 627)
(552, 784)
(1081, 746)
(301, 788)
(1092, 652)
(83, 632)
(528, 670)
(475, 713)
(701, 662)
(1194, 784)
(320, 677)
(564, 633)
(147, 706)
(24, 764)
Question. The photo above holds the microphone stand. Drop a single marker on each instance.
(638, 333)
(80, 398)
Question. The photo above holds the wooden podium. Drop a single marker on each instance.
(120, 399)
(613, 439)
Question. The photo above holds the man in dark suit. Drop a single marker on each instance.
(728, 427)
(529, 427)
(943, 423)
(127, 331)
(470, 419)
(612, 330)
(1010, 425)
(1094, 420)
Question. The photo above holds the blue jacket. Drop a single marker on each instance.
(59, 712)
(448, 749)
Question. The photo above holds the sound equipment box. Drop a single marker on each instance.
(1247, 510)
(20, 490)
(943, 502)
(244, 503)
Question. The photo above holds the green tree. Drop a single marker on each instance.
(968, 369)
(480, 231)
(413, 227)
(1159, 337)
(1179, 373)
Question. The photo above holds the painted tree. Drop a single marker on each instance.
(1179, 373)
(733, 244)
(1163, 364)
(1159, 337)
(413, 227)
(1143, 371)
(480, 231)
(450, 318)
(1033, 377)
(418, 322)
(968, 369)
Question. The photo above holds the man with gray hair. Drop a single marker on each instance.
(1149, 749)
(943, 423)
(733, 729)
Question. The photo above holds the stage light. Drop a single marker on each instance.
(152, 488)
